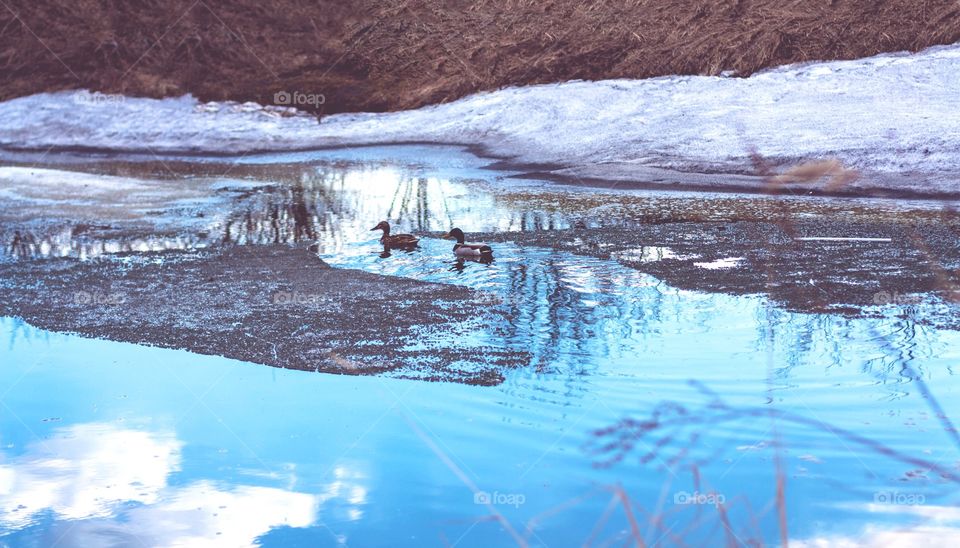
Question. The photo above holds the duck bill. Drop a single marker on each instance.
(446, 236)
(375, 228)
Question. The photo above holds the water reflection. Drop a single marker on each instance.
(112, 483)
(933, 525)
(572, 313)
(460, 263)
(85, 471)
(197, 514)
(608, 342)
(77, 242)
(336, 207)
(580, 317)
(271, 457)
(286, 204)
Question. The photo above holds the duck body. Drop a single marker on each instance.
(395, 240)
(463, 249)
(472, 250)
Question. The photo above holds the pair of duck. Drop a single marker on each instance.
(460, 249)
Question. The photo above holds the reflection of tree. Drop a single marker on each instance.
(565, 329)
(77, 241)
(303, 228)
(411, 200)
(318, 201)
(23, 245)
(21, 331)
(326, 203)
(828, 341)
(293, 211)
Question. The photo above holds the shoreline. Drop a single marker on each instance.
(657, 179)
(217, 301)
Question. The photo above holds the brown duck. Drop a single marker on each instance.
(395, 240)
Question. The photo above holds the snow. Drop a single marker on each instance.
(721, 264)
(841, 239)
(894, 117)
(35, 193)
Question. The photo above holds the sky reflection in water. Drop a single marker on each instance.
(108, 443)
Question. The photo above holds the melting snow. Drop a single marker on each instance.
(893, 114)
(729, 262)
(841, 239)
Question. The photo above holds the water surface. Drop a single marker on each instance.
(112, 443)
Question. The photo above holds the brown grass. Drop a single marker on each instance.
(832, 171)
(394, 54)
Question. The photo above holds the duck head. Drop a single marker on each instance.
(382, 225)
(454, 234)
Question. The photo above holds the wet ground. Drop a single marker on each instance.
(820, 333)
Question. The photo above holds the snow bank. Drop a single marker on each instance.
(894, 116)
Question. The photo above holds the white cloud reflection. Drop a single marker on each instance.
(937, 526)
(84, 470)
(201, 514)
(113, 486)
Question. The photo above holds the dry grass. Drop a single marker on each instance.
(832, 171)
(394, 54)
(489, 44)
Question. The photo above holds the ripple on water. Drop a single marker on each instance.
(290, 453)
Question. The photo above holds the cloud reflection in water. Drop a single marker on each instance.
(114, 487)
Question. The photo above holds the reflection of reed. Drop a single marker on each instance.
(674, 433)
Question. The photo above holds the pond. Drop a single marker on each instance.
(646, 412)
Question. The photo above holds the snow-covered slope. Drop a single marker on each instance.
(895, 116)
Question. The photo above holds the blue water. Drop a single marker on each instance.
(106, 443)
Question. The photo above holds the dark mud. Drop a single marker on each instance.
(777, 259)
(275, 305)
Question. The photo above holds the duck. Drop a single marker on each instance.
(462, 249)
(394, 240)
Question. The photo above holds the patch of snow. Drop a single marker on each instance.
(841, 239)
(30, 194)
(719, 264)
(892, 114)
(649, 254)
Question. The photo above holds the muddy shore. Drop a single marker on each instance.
(789, 264)
(274, 305)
